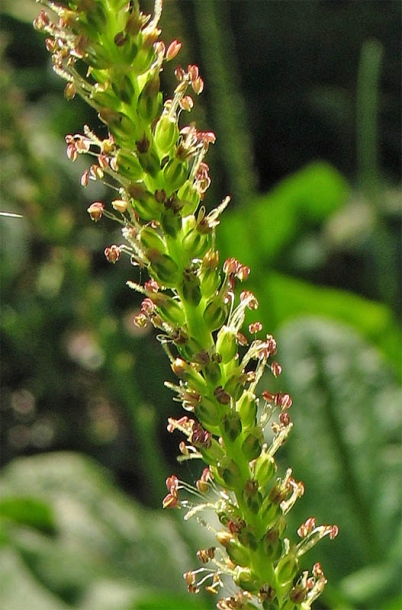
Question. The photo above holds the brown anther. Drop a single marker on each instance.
(285, 402)
(241, 339)
(221, 396)
(255, 327)
(112, 253)
(197, 85)
(119, 205)
(186, 103)
(250, 299)
(205, 555)
(200, 438)
(307, 527)
(284, 419)
(276, 369)
(172, 50)
(317, 570)
(120, 39)
(85, 178)
(95, 210)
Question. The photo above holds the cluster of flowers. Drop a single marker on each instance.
(110, 54)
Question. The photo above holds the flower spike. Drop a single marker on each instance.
(110, 54)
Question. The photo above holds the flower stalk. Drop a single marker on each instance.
(110, 53)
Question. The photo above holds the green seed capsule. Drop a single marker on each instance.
(150, 100)
(129, 166)
(252, 445)
(232, 427)
(186, 372)
(226, 344)
(238, 553)
(264, 469)
(192, 292)
(246, 580)
(215, 314)
(229, 471)
(150, 238)
(175, 174)
(149, 162)
(247, 408)
(171, 222)
(208, 412)
(162, 268)
(169, 309)
(190, 196)
(166, 134)
(287, 568)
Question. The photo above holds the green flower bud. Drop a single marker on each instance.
(123, 89)
(247, 408)
(287, 568)
(190, 196)
(163, 268)
(215, 314)
(212, 372)
(226, 344)
(269, 512)
(166, 134)
(171, 222)
(231, 424)
(169, 309)
(229, 472)
(272, 544)
(213, 453)
(104, 97)
(196, 243)
(175, 174)
(237, 553)
(192, 292)
(96, 17)
(129, 166)
(187, 372)
(149, 102)
(248, 539)
(252, 444)
(144, 203)
(254, 503)
(149, 161)
(208, 412)
(187, 347)
(144, 59)
(246, 580)
(234, 386)
(264, 469)
(120, 125)
(150, 239)
(210, 277)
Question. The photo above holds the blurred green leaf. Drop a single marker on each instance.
(23, 10)
(269, 223)
(283, 298)
(20, 590)
(102, 535)
(28, 511)
(346, 447)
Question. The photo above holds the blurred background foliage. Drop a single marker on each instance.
(305, 99)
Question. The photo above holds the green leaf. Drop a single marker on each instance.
(20, 590)
(283, 298)
(345, 447)
(270, 222)
(102, 535)
(28, 511)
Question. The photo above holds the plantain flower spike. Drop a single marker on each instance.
(110, 53)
